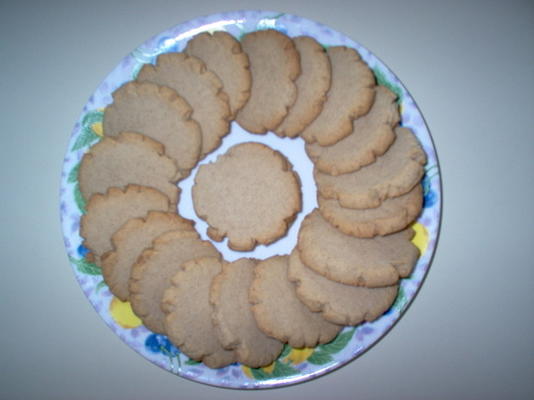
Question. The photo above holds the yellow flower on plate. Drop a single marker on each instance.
(268, 369)
(98, 129)
(297, 356)
(420, 239)
(122, 314)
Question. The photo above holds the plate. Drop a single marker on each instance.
(293, 365)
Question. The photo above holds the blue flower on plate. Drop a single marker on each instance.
(157, 343)
(82, 251)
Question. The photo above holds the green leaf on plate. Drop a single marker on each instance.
(73, 175)
(260, 374)
(87, 136)
(400, 301)
(85, 267)
(78, 198)
(285, 351)
(338, 343)
(92, 117)
(100, 285)
(320, 357)
(282, 369)
(382, 80)
(192, 362)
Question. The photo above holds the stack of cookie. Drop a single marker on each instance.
(352, 250)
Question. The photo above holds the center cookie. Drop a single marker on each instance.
(250, 195)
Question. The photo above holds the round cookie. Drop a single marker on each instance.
(274, 65)
(250, 195)
(312, 85)
(376, 262)
(128, 158)
(278, 311)
(391, 216)
(105, 213)
(338, 303)
(200, 87)
(130, 240)
(350, 96)
(152, 272)
(223, 55)
(188, 321)
(392, 174)
(233, 319)
(159, 113)
(371, 136)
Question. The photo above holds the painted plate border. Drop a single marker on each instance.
(294, 365)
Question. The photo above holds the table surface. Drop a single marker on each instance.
(468, 334)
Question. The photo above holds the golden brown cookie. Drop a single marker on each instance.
(338, 303)
(188, 320)
(152, 272)
(274, 64)
(391, 216)
(200, 87)
(380, 261)
(250, 195)
(128, 243)
(128, 158)
(222, 54)
(312, 85)
(159, 113)
(105, 213)
(371, 136)
(350, 96)
(233, 319)
(392, 174)
(278, 311)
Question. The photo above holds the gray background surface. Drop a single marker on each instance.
(470, 67)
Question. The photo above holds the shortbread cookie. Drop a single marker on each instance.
(350, 96)
(128, 158)
(130, 240)
(392, 174)
(338, 303)
(371, 136)
(159, 113)
(274, 64)
(278, 311)
(250, 195)
(391, 216)
(233, 319)
(312, 85)
(223, 55)
(105, 213)
(380, 261)
(188, 321)
(200, 87)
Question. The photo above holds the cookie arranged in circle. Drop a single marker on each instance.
(200, 87)
(372, 134)
(312, 85)
(188, 320)
(274, 65)
(222, 54)
(374, 262)
(233, 319)
(250, 195)
(391, 216)
(159, 113)
(350, 96)
(129, 158)
(106, 213)
(338, 303)
(152, 272)
(392, 174)
(278, 311)
(129, 242)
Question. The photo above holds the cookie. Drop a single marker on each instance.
(371, 136)
(200, 87)
(274, 65)
(380, 261)
(105, 213)
(392, 174)
(151, 274)
(159, 113)
(130, 240)
(312, 85)
(188, 313)
(128, 158)
(233, 319)
(223, 55)
(391, 216)
(338, 303)
(350, 96)
(250, 195)
(278, 311)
